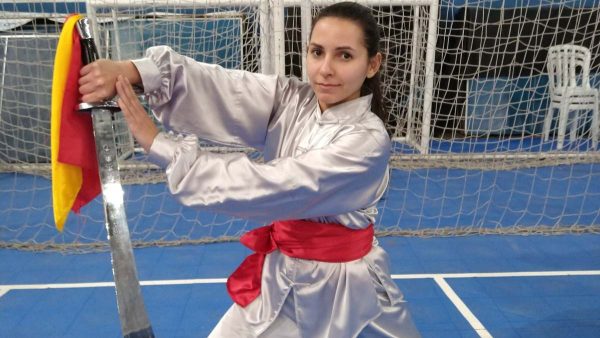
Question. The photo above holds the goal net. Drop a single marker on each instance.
(465, 83)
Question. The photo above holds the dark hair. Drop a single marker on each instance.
(362, 16)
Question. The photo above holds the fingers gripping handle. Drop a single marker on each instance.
(89, 54)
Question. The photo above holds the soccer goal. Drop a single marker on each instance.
(465, 84)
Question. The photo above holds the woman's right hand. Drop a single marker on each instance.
(97, 80)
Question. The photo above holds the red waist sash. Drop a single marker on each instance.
(324, 242)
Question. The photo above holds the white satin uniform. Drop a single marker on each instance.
(326, 166)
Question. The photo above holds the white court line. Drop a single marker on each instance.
(498, 274)
(223, 280)
(112, 284)
(462, 308)
(3, 291)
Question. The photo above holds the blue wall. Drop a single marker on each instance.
(520, 104)
(448, 8)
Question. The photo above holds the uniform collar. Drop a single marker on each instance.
(345, 112)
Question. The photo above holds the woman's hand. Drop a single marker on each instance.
(97, 80)
(140, 124)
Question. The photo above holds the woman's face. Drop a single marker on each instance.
(338, 62)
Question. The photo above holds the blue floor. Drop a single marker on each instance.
(555, 306)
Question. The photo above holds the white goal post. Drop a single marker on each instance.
(414, 128)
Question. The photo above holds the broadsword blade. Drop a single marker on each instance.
(130, 303)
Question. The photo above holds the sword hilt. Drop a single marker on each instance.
(89, 54)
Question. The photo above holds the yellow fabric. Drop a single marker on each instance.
(66, 178)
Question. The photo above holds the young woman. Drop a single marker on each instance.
(317, 270)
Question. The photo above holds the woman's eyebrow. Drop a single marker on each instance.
(342, 48)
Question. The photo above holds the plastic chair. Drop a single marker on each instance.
(570, 90)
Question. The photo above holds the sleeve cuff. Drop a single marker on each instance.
(149, 73)
(162, 150)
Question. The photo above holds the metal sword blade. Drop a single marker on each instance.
(130, 304)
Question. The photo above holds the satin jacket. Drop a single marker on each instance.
(326, 166)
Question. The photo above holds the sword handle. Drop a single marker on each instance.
(89, 54)
(89, 51)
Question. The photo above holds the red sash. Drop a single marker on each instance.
(324, 242)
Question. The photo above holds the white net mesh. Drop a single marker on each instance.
(466, 114)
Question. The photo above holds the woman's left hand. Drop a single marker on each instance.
(140, 124)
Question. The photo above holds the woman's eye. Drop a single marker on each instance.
(346, 56)
(315, 52)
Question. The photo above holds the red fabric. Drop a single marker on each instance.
(77, 146)
(324, 242)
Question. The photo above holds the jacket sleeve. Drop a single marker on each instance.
(223, 106)
(346, 175)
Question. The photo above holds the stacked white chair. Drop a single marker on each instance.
(569, 86)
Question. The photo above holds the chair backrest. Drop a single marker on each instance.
(568, 66)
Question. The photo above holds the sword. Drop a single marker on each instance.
(130, 304)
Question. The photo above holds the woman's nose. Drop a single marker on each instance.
(326, 66)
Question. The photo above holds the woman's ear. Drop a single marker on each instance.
(374, 65)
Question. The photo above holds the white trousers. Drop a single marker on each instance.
(393, 322)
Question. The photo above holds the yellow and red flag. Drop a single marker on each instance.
(75, 179)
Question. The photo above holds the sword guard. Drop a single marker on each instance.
(109, 104)
(88, 107)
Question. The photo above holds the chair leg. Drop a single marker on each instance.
(563, 116)
(548, 122)
(574, 126)
(595, 126)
